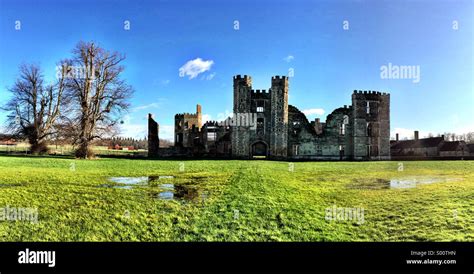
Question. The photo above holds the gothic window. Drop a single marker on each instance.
(296, 149)
(369, 130)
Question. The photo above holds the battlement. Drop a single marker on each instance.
(277, 77)
(245, 77)
(186, 115)
(371, 92)
(212, 123)
(258, 91)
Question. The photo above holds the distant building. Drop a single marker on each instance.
(432, 147)
(471, 149)
(8, 140)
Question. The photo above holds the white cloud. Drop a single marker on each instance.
(152, 105)
(165, 82)
(193, 68)
(289, 58)
(313, 111)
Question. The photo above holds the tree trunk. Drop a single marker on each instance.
(38, 148)
(83, 151)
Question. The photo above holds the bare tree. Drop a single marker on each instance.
(98, 93)
(34, 109)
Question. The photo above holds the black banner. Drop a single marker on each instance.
(237, 257)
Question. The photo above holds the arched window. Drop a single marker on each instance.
(369, 130)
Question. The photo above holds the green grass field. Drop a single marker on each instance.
(235, 200)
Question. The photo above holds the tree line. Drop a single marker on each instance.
(84, 103)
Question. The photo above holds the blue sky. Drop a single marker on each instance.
(333, 47)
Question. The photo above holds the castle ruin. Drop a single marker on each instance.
(264, 125)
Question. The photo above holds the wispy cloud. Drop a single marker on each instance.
(210, 76)
(313, 111)
(148, 106)
(193, 68)
(289, 58)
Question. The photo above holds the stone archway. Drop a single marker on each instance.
(259, 149)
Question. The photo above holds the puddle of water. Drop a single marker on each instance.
(397, 183)
(161, 191)
(178, 192)
(129, 180)
(414, 182)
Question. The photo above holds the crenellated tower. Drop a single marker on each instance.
(279, 117)
(371, 120)
(242, 104)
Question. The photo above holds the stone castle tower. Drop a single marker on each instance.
(270, 137)
(242, 102)
(371, 125)
(185, 123)
(279, 117)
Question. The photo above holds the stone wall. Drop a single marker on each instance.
(153, 137)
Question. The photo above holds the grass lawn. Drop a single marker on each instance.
(235, 200)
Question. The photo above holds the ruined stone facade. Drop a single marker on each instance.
(265, 125)
(153, 139)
